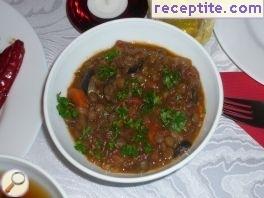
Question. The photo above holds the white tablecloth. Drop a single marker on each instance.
(231, 165)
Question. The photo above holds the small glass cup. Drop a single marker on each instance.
(200, 29)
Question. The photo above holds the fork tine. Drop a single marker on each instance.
(237, 113)
(236, 104)
(242, 102)
(238, 119)
(247, 111)
(242, 110)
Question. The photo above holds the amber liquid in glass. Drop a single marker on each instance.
(200, 29)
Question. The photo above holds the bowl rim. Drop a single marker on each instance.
(153, 176)
(38, 169)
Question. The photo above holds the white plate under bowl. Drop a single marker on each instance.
(105, 36)
(243, 42)
(33, 172)
(20, 116)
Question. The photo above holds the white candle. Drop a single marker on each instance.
(107, 9)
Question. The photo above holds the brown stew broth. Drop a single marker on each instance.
(144, 107)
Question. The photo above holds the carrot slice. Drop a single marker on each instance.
(78, 97)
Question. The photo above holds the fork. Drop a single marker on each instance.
(247, 111)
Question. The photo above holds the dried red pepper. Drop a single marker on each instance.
(4, 58)
(10, 61)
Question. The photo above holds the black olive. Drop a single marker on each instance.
(136, 68)
(182, 148)
(86, 80)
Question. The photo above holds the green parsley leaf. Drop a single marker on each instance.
(106, 72)
(136, 91)
(139, 137)
(111, 54)
(134, 87)
(111, 145)
(85, 133)
(140, 128)
(97, 151)
(174, 120)
(122, 112)
(123, 94)
(129, 150)
(65, 108)
(136, 124)
(148, 148)
(116, 129)
(151, 99)
(170, 78)
(79, 146)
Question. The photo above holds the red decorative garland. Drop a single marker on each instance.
(82, 19)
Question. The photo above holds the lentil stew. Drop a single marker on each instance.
(134, 108)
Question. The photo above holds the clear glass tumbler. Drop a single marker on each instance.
(200, 29)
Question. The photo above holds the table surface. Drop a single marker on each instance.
(231, 165)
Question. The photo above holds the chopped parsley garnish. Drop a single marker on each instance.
(85, 133)
(115, 128)
(148, 148)
(129, 150)
(79, 144)
(134, 87)
(136, 91)
(173, 120)
(141, 134)
(65, 108)
(97, 151)
(111, 54)
(122, 112)
(136, 124)
(111, 144)
(106, 72)
(139, 137)
(151, 99)
(170, 78)
(123, 94)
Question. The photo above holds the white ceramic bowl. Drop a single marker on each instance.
(105, 36)
(33, 172)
